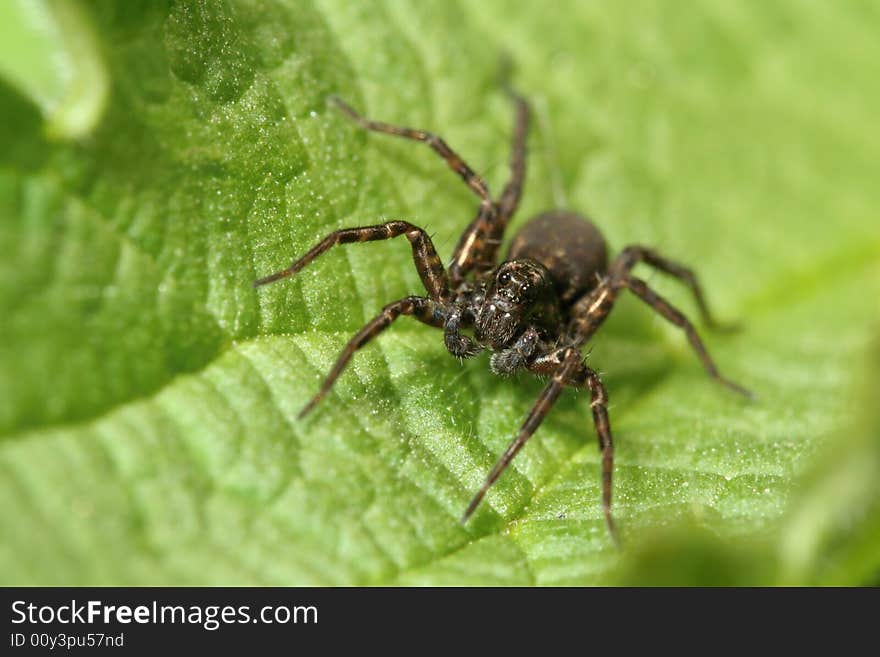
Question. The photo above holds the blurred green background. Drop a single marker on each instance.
(156, 157)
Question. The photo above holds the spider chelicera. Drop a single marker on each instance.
(534, 310)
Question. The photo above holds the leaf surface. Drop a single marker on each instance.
(149, 395)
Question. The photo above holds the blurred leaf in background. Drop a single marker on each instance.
(148, 395)
(832, 534)
(50, 53)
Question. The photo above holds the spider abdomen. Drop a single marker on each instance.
(568, 245)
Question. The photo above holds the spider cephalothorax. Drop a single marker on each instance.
(519, 295)
(533, 311)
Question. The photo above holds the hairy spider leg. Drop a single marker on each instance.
(632, 255)
(478, 246)
(669, 312)
(542, 406)
(567, 369)
(599, 407)
(429, 311)
(473, 239)
(590, 311)
(510, 195)
(588, 378)
(471, 179)
(425, 256)
(425, 310)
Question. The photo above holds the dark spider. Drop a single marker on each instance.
(534, 311)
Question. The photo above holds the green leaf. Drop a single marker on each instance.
(832, 533)
(149, 394)
(49, 52)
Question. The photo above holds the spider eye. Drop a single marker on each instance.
(504, 278)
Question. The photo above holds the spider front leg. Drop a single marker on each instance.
(473, 242)
(453, 160)
(478, 245)
(425, 256)
(585, 377)
(429, 311)
(567, 369)
(424, 310)
(510, 195)
(540, 409)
